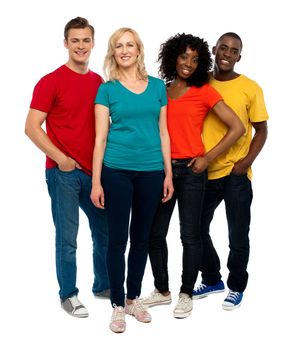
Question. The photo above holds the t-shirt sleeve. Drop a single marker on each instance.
(44, 95)
(163, 94)
(212, 97)
(257, 111)
(102, 96)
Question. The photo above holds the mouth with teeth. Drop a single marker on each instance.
(81, 53)
(224, 62)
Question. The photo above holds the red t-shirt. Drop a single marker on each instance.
(185, 117)
(68, 98)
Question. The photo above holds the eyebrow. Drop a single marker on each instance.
(128, 42)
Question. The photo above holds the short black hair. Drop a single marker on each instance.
(232, 35)
(78, 23)
(177, 45)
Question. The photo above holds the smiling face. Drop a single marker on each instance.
(227, 53)
(187, 63)
(126, 51)
(79, 44)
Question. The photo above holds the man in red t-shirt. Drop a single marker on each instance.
(65, 100)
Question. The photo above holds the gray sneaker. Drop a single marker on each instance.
(74, 307)
(156, 298)
(104, 294)
(184, 306)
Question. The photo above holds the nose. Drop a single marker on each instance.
(81, 44)
(227, 53)
(189, 62)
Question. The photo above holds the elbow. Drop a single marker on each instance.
(242, 130)
(27, 130)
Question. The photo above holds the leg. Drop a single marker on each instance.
(118, 189)
(158, 251)
(148, 187)
(190, 189)
(238, 198)
(64, 191)
(98, 226)
(210, 261)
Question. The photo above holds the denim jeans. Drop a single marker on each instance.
(189, 192)
(70, 191)
(236, 191)
(137, 193)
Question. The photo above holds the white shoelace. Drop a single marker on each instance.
(118, 313)
(232, 296)
(201, 287)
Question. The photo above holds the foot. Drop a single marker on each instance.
(184, 306)
(156, 298)
(74, 307)
(117, 322)
(137, 309)
(204, 290)
(232, 301)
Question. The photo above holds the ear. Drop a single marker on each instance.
(239, 58)
(65, 43)
(213, 50)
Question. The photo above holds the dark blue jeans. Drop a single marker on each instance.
(136, 194)
(189, 192)
(70, 191)
(236, 191)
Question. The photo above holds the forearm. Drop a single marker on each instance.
(166, 154)
(98, 156)
(256, 146)
(225, 143)
(42, 141)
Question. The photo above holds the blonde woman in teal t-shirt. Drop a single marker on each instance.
(131, 167)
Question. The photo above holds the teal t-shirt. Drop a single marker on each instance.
(133, 141)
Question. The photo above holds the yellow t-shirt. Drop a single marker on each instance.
(245, 97)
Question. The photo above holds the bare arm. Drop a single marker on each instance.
(256, 146)
(102, 129)
(168, 188)
(34, 130)
(235, 130)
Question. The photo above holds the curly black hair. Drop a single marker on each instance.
(177, 45)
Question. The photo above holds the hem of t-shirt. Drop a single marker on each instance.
(133, 168)
(215, 175)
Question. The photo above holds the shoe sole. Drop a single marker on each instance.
(230, 308)
(158, 303)
(184, 315)
(207, 294)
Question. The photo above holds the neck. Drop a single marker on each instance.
(78, 68)
(180, 83)
(129, 74)
(224, 75)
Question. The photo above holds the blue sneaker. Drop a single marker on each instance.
(203, 290)
(233, 300)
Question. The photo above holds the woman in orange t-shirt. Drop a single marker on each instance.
(185, 62)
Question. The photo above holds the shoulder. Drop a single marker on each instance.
(247, 81)
(96, 76)
(155, 81)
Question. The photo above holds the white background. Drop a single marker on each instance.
(31, 46)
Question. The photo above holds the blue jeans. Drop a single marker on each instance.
(70, 191)
(137, 193)
(189, 192)
(236, 191)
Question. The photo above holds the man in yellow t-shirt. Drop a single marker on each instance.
(230, 174)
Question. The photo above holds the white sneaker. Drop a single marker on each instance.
(184, 306)
(117, 322)
(138, 310)
(156, 298)
(74, 307)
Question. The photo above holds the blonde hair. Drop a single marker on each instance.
(111, 68)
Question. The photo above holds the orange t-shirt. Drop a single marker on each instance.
(185, 117)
